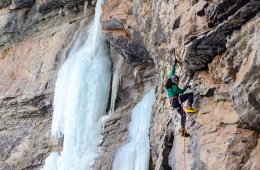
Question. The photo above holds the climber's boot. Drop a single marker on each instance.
(183, 133)
(189, 109)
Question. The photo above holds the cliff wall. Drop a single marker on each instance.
(33, 45)
(215, 42)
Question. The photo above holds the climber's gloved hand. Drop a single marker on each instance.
(175, 62)
(188, 86)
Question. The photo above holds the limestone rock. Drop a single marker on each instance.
(220, 10)
(118, 26)
(246, 89)
(204, 84)
(252, 163)
(73, 3)
(11, 23)
(4, 3)
(44, 6)
(47, 5)
(16, 4)
(203, 48)
(29, 69)
(215, 44)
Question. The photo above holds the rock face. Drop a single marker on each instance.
(18, 4)
(33, 47)
(118, 24)
(216, 45)
(215, 42)
(246, 63)
(4, 3)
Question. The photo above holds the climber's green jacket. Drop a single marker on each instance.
(174, 90)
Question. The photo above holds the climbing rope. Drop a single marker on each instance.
(183, 112)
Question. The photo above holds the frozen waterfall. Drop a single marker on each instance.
(134, 155)
(81, 97)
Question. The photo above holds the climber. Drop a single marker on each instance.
(176, 100)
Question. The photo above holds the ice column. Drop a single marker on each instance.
(134, 155)
(81, 97)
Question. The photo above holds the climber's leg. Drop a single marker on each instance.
(188, 96)
(177, 106)
(183, 117)
(183, 132)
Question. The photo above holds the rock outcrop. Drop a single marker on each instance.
(216, 46)
(33, 47)
(118, 24)
(244, 58)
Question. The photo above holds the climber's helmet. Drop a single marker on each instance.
(175, 79)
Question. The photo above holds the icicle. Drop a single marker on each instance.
(85, 7)
(135, 73)
(51, 162)
(116, 82)
(135, 154)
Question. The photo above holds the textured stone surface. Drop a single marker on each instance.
(246, 64)
(119, 26)
(45, 6)
(24, 139)
(17, 4)
(216, 140)
(202, 36)
(216, 43)
(218, 11)
(197, 36)
(253, 162)
(42, 6)
(17, 25)
(28, 73)
(4, 3)
(203, 48)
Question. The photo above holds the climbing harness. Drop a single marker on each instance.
(179, 100)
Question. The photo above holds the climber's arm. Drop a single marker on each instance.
(172, 71)
(178, 90)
